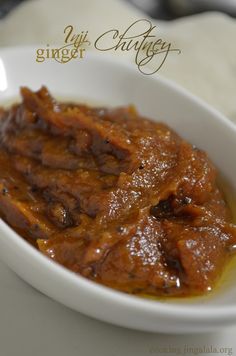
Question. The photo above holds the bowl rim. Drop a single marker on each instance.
(207, 313)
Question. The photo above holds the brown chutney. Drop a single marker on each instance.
(115, 197)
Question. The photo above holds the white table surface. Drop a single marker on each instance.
(31, 324)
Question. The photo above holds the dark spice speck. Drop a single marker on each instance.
(4, 191)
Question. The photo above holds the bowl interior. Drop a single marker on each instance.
(103, 80)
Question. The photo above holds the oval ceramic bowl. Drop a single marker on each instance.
(105, 80)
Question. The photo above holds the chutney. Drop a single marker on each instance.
(113, 196)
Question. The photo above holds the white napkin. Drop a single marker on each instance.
(206, 66)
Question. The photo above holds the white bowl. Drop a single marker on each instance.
(102, 79)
